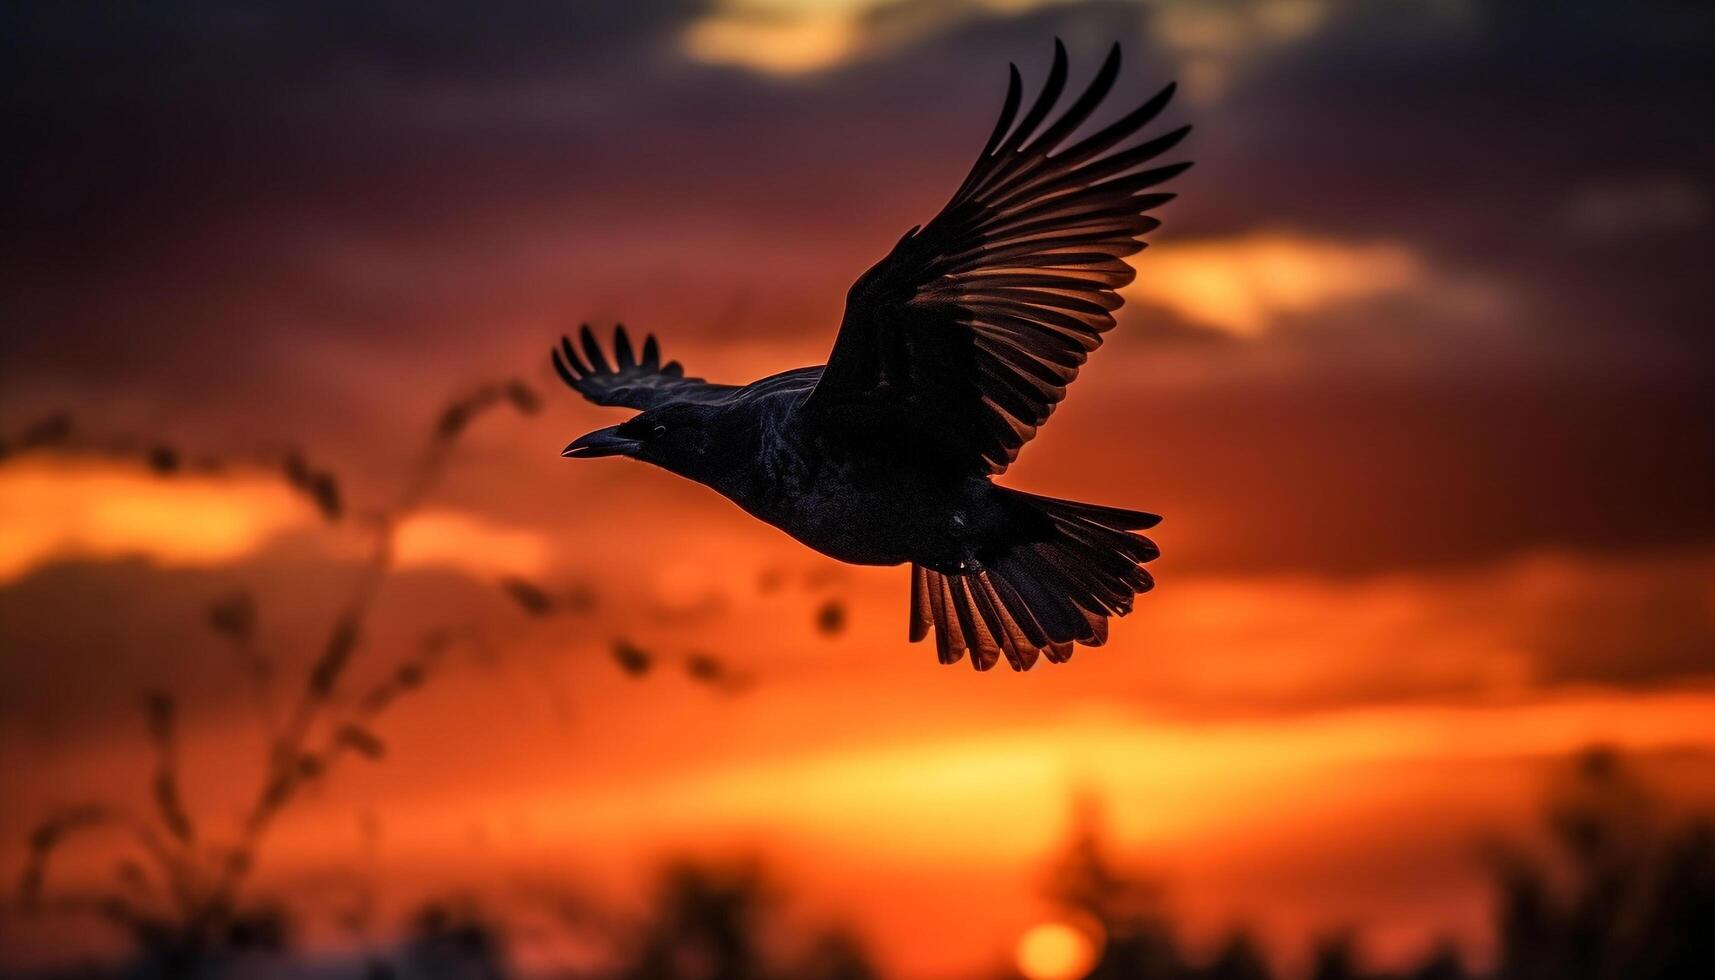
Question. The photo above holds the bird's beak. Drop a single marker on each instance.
(602, 442)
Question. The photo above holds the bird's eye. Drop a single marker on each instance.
(659, 431)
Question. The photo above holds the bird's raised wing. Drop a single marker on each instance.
(635, 382)
(974, 325)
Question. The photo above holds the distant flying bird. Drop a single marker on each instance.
(953, 350)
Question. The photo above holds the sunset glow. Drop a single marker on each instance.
(1246, 285)
(1416, 371)
(56, 510)
(1055, 951)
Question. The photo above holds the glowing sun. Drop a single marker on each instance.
(1056, 951)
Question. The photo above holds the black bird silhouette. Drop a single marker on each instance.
(953, 350)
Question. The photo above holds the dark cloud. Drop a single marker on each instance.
(241, 170)
(1639, 628)
(1469, 130)
(1357, 473)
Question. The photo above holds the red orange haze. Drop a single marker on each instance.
(1415, 372)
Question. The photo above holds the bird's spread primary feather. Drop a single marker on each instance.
(981, 318)
(954, 349)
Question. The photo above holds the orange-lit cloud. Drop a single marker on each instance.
(792, 37)
(1212, 39)
(774, 37)
(449, 539)
(1244, 285)
(58, 509)
(789, 37)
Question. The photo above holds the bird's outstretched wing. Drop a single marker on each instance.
(974, 325)
(640, 382)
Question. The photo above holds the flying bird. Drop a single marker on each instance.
(952, 352)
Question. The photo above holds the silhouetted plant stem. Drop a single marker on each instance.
(203, 879)
(290, 765)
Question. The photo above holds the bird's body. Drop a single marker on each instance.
(853, 500)
(953, 349)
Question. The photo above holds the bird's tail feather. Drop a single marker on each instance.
(1038, 597)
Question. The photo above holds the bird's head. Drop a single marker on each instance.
(673, 437)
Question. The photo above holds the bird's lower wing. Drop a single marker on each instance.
(631, 379)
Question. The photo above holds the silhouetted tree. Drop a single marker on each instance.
(1625, 891)
(1442, 963)
(706, 926)
(453, 940)
(1130, 908)
(1335, 958)
(723, 923)
(1237, 959)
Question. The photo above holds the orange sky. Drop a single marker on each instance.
(1287, 750)
(1416, 371)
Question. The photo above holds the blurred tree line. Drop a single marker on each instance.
(1618, 888)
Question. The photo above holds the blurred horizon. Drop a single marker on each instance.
(1417, 370)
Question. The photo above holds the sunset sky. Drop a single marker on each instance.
(1418, 371)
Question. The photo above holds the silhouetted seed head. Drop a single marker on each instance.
(54, 430)
(297, 470)
(523, 398)
(325, 492)
(234, 616)
(453, 420)
(634, 660)
(338, 653)
(318, 485)
(531, 598)
(164, 460)
(158, 711)
(160, 714)
(376, 699)
(46, 836)
(171, 808)
(705, 668)
(409, 676)
(831, 618)
(362, 741)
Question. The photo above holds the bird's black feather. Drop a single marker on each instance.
(954, 349)
(634, 384)
(1025, 256)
